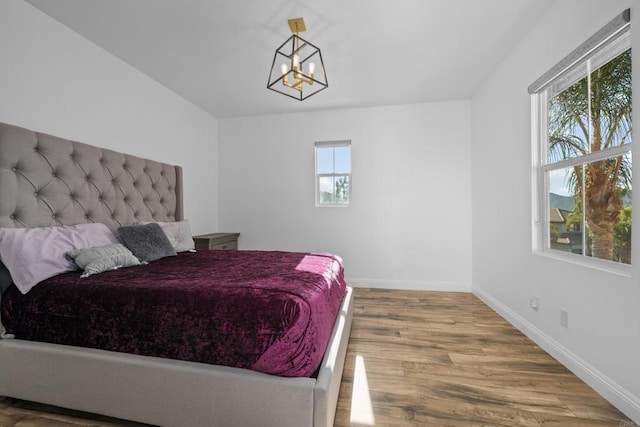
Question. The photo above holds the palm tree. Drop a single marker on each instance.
(623, 236)
(592, 115)
(342, 189)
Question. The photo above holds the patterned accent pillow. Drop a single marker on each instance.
(147, 242)
(99, 259)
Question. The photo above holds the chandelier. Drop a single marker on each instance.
(297, 70)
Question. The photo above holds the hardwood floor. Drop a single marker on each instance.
(447, 359)
(426, 359)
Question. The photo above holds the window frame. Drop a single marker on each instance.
(606, 43)
(318, 176)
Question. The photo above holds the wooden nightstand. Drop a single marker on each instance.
(228, 241)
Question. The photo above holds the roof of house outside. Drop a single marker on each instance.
(558, 215)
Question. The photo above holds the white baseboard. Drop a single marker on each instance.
(409, 285)
(618, 396)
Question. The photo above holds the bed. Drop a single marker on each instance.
(48, 181)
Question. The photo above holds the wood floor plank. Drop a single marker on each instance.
(419, 358)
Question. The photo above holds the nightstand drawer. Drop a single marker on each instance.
(218, 241)
(233, 245)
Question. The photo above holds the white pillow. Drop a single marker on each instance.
(34, 254)
(178, 233)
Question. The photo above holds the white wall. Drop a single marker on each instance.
(408, 225)
(602, 343)
(52, 80)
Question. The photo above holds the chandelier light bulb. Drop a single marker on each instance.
(285, 68)
(312, 68)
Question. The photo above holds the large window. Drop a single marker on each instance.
(333, 173)
(582, 152)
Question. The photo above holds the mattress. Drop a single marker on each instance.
(270, 312)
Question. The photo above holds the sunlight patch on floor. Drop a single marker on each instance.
(361, 409)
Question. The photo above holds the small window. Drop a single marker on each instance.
(333, 173)
(582, 145)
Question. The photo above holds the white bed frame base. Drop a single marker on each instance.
(172, 392)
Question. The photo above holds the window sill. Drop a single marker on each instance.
(594, 263)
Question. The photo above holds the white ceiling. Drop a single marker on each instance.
(218, 53)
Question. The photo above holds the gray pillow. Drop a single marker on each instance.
(102, 258)
(147, 242)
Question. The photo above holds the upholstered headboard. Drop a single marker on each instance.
(46, 180)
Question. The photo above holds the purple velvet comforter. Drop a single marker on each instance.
(271, 312)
